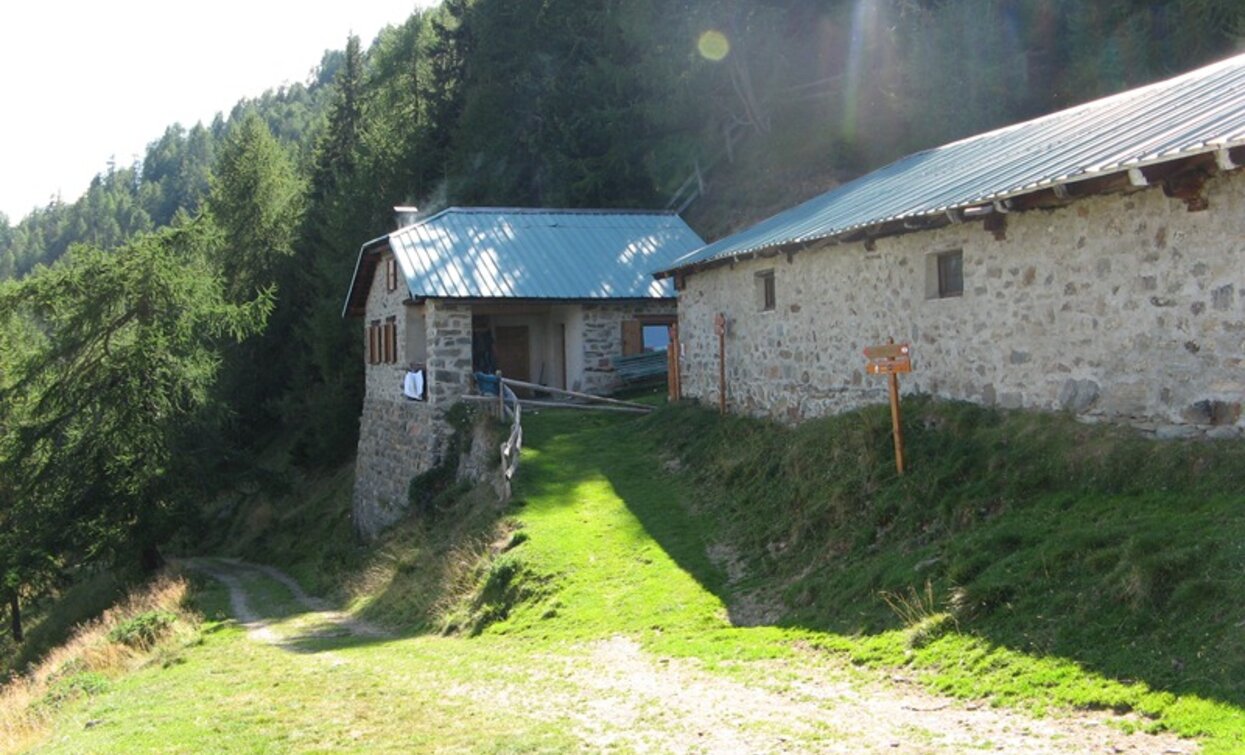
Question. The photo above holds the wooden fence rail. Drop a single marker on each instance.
(510, 406)
(513, 446)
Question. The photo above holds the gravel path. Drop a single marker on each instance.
(626, 698)
(615, 695)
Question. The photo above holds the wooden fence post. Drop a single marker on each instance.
(673, 375)
(501, 398)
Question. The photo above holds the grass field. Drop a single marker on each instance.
(1025, 560)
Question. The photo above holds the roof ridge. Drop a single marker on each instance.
(558, 210)
(1071, 110)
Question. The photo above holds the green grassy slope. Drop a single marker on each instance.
(1067, 566)
(1048, 552)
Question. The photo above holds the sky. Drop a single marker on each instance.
(81, 82)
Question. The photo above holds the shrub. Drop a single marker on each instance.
(144, 630)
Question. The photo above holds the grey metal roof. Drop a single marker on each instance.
(1198, 112)
(490, 252)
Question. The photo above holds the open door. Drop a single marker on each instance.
(512, 351)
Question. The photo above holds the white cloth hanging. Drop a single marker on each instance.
(413, 385)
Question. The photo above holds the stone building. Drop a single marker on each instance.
(1092, 260)
(544, 296)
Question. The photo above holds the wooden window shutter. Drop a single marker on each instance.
(373, 343)
(632, 337)
(390, 335)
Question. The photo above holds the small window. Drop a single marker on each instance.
(656, 337)
(391, 273)
(944, 275)
(766, 300)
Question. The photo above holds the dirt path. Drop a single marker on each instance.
(612, 694)
(784, 706)
(315, 620)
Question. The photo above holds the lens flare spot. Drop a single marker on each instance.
(713, 45)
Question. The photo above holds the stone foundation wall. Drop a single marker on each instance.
(397, 440)
(1115, 307)
(602, 338)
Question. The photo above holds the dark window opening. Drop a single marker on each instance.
(950, 274)
(391, 274)
(766, 298)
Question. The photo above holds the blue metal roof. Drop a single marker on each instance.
(1199, 112)
(491, 252)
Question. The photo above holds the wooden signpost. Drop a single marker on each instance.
(890, 359)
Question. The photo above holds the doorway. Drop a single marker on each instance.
(512, 349)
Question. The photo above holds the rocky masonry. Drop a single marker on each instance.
(400, 438)
(1119, 307)
(397, 440)
(602, 331)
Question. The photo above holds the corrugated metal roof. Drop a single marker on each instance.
(490, 252)
(1198, 112)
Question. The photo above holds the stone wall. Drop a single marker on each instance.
(400, 438)
(382, 379)
(449, 351)
(1125, 307)
(397, 440)
(602, 338)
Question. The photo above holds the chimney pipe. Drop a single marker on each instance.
(405, 215)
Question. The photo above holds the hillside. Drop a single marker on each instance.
(177, 379)
(1027, 560)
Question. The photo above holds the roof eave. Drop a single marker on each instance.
(991, 201)
(375, 245)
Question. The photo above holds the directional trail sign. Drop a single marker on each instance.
(888, 359)
(891, 359)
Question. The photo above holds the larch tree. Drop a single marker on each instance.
(105, 393)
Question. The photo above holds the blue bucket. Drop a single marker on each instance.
(487, 384)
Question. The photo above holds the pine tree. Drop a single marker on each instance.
(326, 389)
(257, 202)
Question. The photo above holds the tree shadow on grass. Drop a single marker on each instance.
(1100, 626)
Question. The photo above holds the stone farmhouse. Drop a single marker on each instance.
(1092, 260)
(544, 296)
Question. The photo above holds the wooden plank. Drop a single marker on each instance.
(562, 405)
(673, 389)
(632, 338)
(888, 366)
(887, 351)
(896, 422)
(576, 394)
